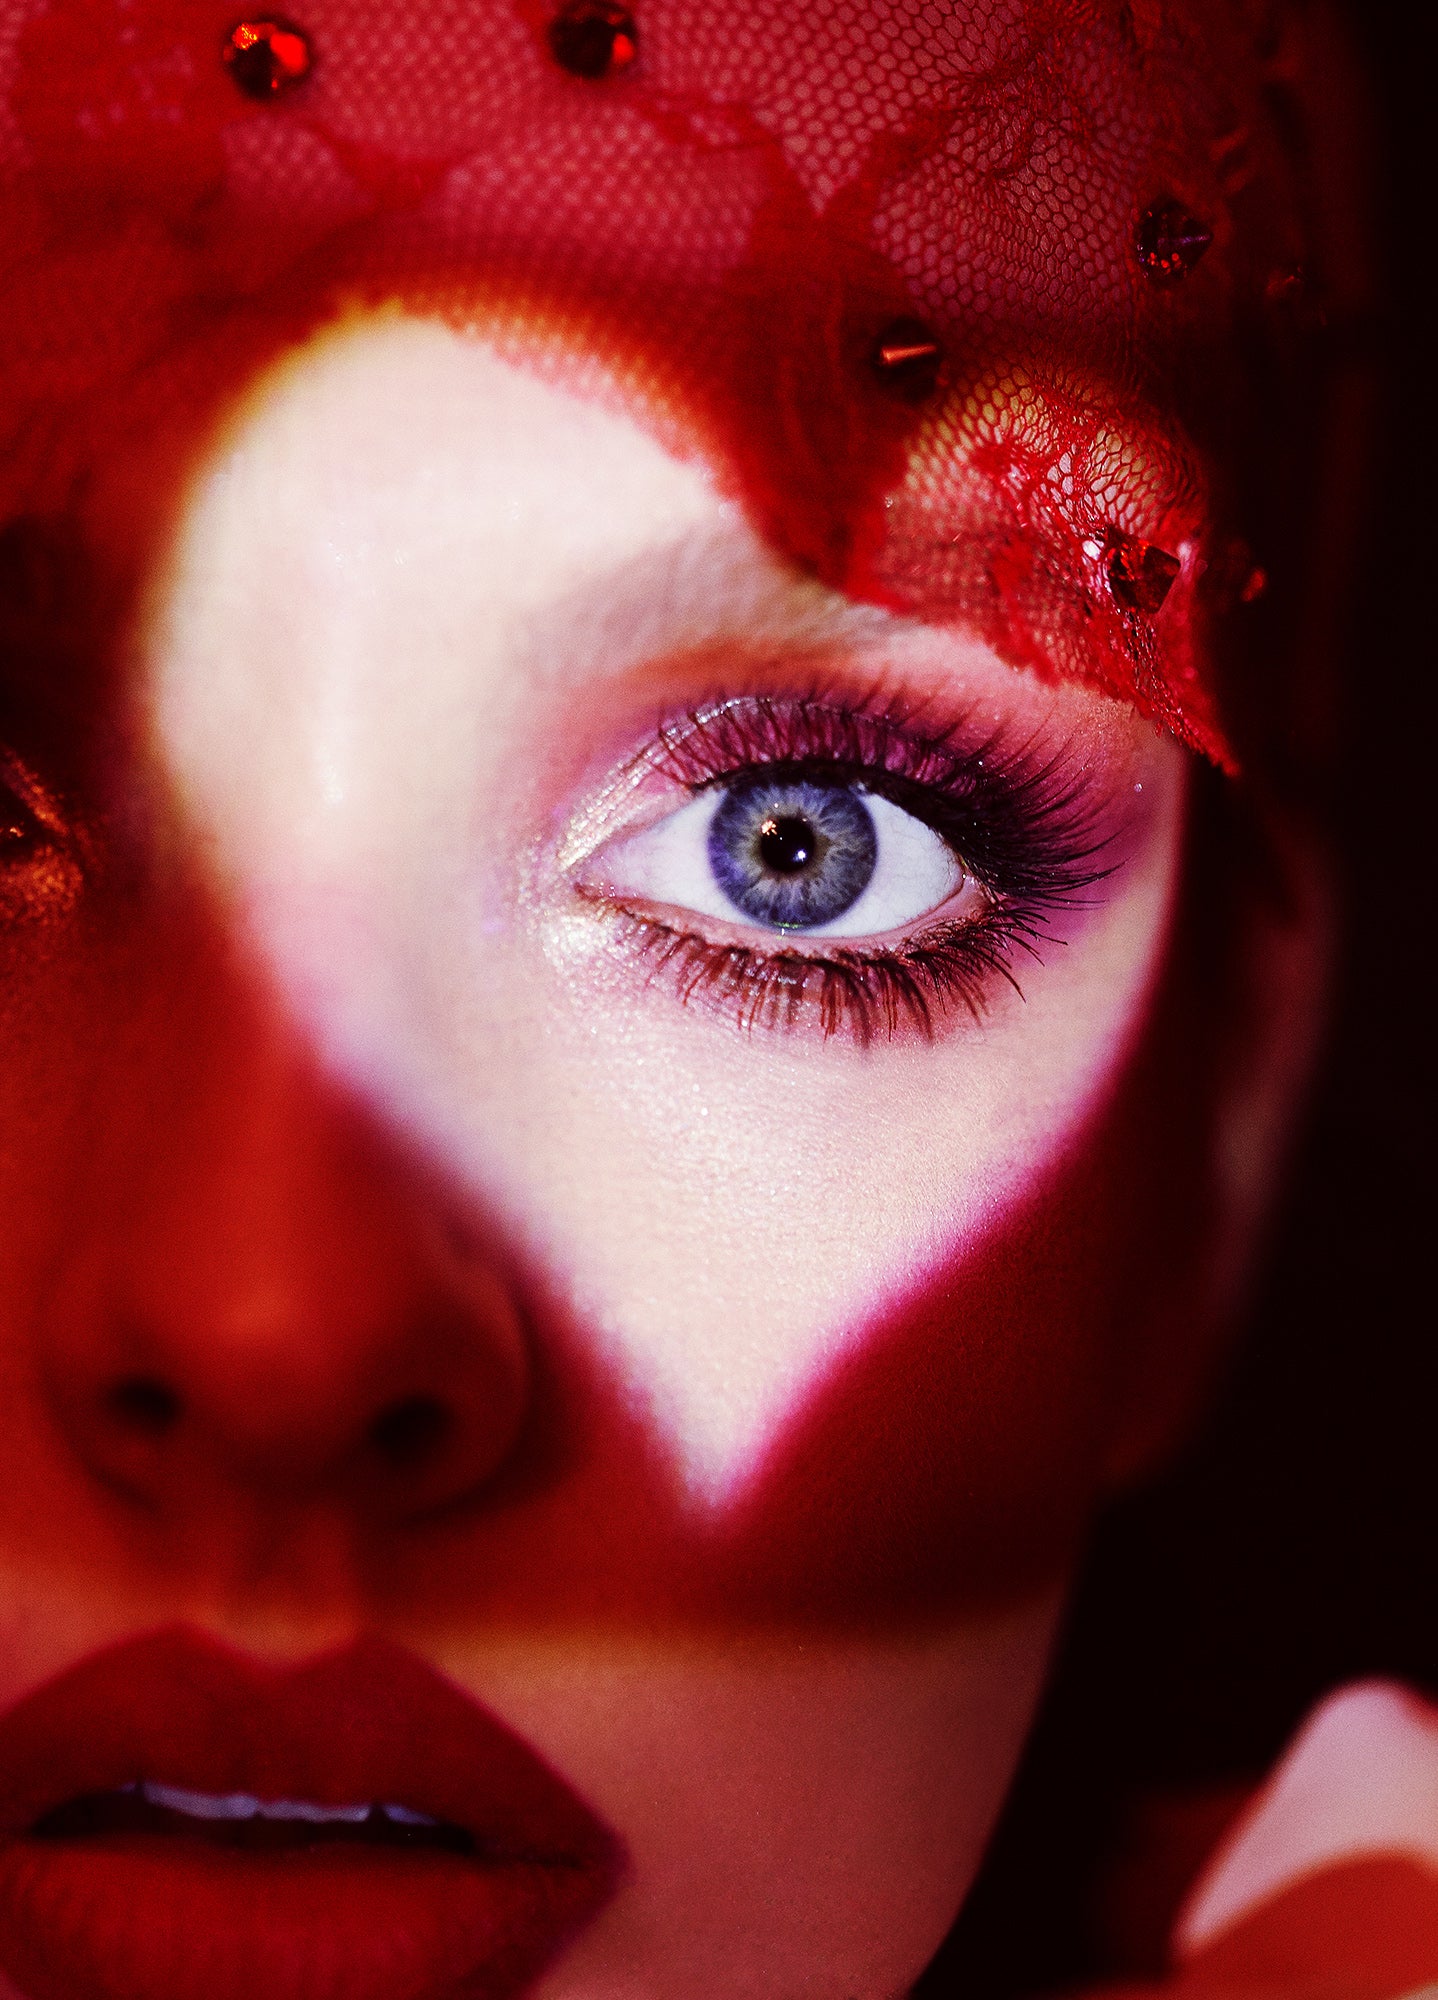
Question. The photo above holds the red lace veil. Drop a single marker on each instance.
(951, 290)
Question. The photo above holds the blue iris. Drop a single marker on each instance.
(792, 854)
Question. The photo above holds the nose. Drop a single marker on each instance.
(260, 1286)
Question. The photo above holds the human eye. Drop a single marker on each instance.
(800, 853)
(40, 870)
(835, 865)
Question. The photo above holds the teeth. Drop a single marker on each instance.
(201, 1805)
(317, 1815)
(244, 1806)
(402, 1816)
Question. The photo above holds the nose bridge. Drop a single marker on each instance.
(270, 1208)
(258, 1284)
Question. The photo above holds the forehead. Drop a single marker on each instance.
(732, 227)
(990, 153)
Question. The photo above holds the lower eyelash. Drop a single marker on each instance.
(1016, 818)
(909, 986)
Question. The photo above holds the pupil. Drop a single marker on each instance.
(791, 852)
(786, 844)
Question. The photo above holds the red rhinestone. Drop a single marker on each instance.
(267, 58)
(907, 358)
(593, 38)
(1286, 285)
(1296, 299)
(1170, 242)
(1140, 574)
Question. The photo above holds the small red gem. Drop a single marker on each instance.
(1170, 242)
(593, 38)
(1140, 574)
(1296, 299)
(1286, 285)
(907, 358)
(266, 58)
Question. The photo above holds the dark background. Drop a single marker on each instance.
(1296, 1545)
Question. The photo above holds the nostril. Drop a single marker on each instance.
(412, 1430)
(141, 1403)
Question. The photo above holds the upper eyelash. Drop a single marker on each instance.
(1018, 819)
(732, 738)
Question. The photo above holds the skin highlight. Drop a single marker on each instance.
(438, 1216)
(372, 1042)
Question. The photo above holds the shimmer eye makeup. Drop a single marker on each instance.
(804, 815)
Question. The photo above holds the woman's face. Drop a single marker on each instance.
(449, 1204)
(606, 1145)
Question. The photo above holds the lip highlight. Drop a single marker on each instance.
(179, 1820)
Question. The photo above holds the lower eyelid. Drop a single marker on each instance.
(946, 966)
(863, 992)
(732, 932)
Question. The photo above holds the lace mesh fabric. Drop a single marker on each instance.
(720, 235)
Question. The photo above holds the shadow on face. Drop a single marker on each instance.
(616, 1119)
(595, 1109)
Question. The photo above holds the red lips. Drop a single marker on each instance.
(105, 1896)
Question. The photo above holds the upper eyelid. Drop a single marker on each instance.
(707, 593)
(993, 736)
(940, 761)
(603, 815)
(1011, 811)
(705, 727)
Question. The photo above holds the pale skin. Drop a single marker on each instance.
(419, 617)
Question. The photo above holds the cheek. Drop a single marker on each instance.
(953, 1457)
(922, 1433)
(806, 1350)
(946, 1458)
(817, 1334)
(863, 1776)
(816, 1329)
